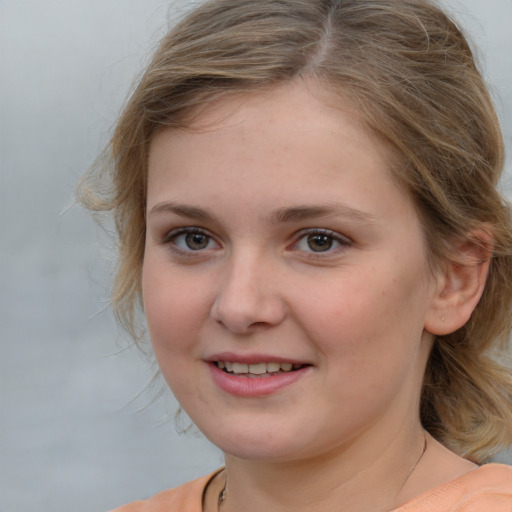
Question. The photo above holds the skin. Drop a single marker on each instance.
(253, 178)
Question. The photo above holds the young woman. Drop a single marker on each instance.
(305, 196)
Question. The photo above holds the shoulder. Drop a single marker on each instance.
(487, 488)
(185, 498)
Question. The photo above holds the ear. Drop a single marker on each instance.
(460, 283)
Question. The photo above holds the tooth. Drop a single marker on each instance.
(229, 366)
(221, 365)
(273, 367)
(240, 368)
(286, 367)
(258, 368)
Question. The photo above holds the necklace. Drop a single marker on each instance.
(222, 493)
(411, 471)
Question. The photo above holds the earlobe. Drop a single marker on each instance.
(460, 284)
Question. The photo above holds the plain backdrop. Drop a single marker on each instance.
(78, 430)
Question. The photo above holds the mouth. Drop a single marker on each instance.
(258, 370)
(256, 375)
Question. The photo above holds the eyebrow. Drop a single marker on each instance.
(282, 215)
(182, 210)
(301, 212)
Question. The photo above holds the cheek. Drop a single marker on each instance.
(173, 312)
(367, 319)
(171, 306)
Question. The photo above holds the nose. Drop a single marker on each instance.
(249, 297)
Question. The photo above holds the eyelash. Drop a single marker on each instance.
(331, 236)
(171, 240)
(342, 241)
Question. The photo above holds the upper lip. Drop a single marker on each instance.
(253, 358)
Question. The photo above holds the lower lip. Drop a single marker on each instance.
(239, 385)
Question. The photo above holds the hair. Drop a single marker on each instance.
(411, 76)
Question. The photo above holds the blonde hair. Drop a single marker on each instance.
(410, 74)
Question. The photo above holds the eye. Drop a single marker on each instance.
(321, 241)
(191, 239)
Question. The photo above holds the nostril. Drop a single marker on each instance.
(243, 305)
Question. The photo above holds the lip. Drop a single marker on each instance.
(252, 358)
(253, 387)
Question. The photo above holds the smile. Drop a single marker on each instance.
(255, 377)
(257, 369)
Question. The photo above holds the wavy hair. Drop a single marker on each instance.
(410, 74)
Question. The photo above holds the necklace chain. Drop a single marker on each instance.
(411, 471)
(222, 493)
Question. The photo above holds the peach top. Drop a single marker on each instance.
(485, 489)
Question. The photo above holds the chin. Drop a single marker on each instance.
(252, 442)
(261, 451)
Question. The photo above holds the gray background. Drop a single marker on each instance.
(77, 431)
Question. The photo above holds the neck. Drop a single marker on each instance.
(370, 473)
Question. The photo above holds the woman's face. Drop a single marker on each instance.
(284, 279)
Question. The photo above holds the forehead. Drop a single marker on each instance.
(280, 149)
(291, 114)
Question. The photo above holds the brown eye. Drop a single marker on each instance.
(197, 241)
(191, 240)
(319, 242)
